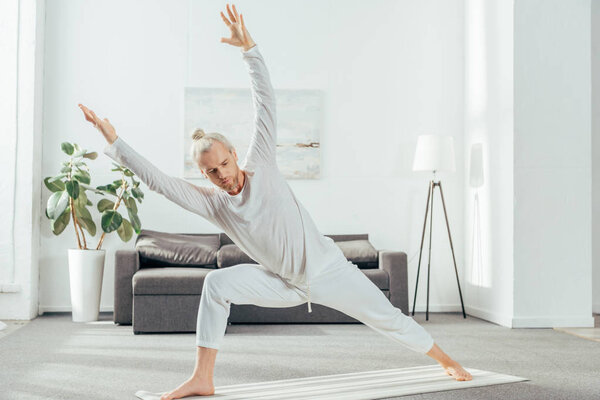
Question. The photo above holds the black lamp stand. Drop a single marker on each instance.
(432, 186)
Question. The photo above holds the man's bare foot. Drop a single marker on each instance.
(191, 387)
(455, 370)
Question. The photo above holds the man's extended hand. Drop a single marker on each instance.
(239, 34)
(103, 125)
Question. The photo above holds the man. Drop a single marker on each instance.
(256, 207)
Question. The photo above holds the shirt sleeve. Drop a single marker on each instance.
(263, 143)
(196, 199)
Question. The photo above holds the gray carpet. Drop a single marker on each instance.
(52, 357)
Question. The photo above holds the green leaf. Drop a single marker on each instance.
(105, 204)
(67, 147)
(88, 203)
(57, 177)
(65, 169)
(135, 221)
(73, 188)
(91, 156)
(95, 190)
(55, 186)
(130, 202)
(107, 188)
(81, 211)
(79, 153)
(76, 146)
(118, 182)
(82, 177)
(57, 203)
(88, 225)
(125, 231)
(59, 224)
(111, 220)
(128, 173)
(137, 193)
(81, 199)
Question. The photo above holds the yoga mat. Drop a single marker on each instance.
(368, 385)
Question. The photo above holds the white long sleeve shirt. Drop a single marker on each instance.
(265, 219)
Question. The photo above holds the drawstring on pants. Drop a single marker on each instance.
(309, 309)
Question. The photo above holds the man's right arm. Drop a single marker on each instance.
(197, 199)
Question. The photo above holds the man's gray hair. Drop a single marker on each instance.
(202, 142)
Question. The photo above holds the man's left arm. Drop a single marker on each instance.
(264, 138)
(263, 143)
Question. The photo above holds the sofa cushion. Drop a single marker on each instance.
(169, 281)
(189, 281)
(360, 252)
(163, 249)
(231, 254)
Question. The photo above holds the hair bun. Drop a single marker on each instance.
(198, 134)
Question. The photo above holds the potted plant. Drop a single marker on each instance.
(69, 202)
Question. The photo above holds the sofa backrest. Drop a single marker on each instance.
(224, 251)
(345, 238)
(336, 238)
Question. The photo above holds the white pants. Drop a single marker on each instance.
(343, 287)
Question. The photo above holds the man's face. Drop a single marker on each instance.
(220, 166)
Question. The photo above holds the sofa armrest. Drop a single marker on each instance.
(127, 263)
(395, 264)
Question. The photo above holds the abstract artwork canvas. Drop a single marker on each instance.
(230, 112)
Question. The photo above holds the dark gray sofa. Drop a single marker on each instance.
(155, 297)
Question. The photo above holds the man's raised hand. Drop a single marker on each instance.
(103, 125)
(239, 34)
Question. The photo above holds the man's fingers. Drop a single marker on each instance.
(231, 16)
(89, 114)
(237, 17)
(225, 40)
(225, 19)
(242, 19)
(96, 119)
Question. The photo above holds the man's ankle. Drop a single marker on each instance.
(201, 377)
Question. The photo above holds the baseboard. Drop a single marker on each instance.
(43, 309)
(498, 319)
(502, 320)
(559, 321)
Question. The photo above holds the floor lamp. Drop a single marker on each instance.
(434, 153)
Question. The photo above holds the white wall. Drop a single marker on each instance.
(488, 240)
(390, 70)
(596, 155)
(552, 164)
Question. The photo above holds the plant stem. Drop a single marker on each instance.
(82, 235)
(119, 197)
(74, 221)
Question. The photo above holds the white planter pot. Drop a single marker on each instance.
(86, 269)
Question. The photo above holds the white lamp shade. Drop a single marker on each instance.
(434, 153)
